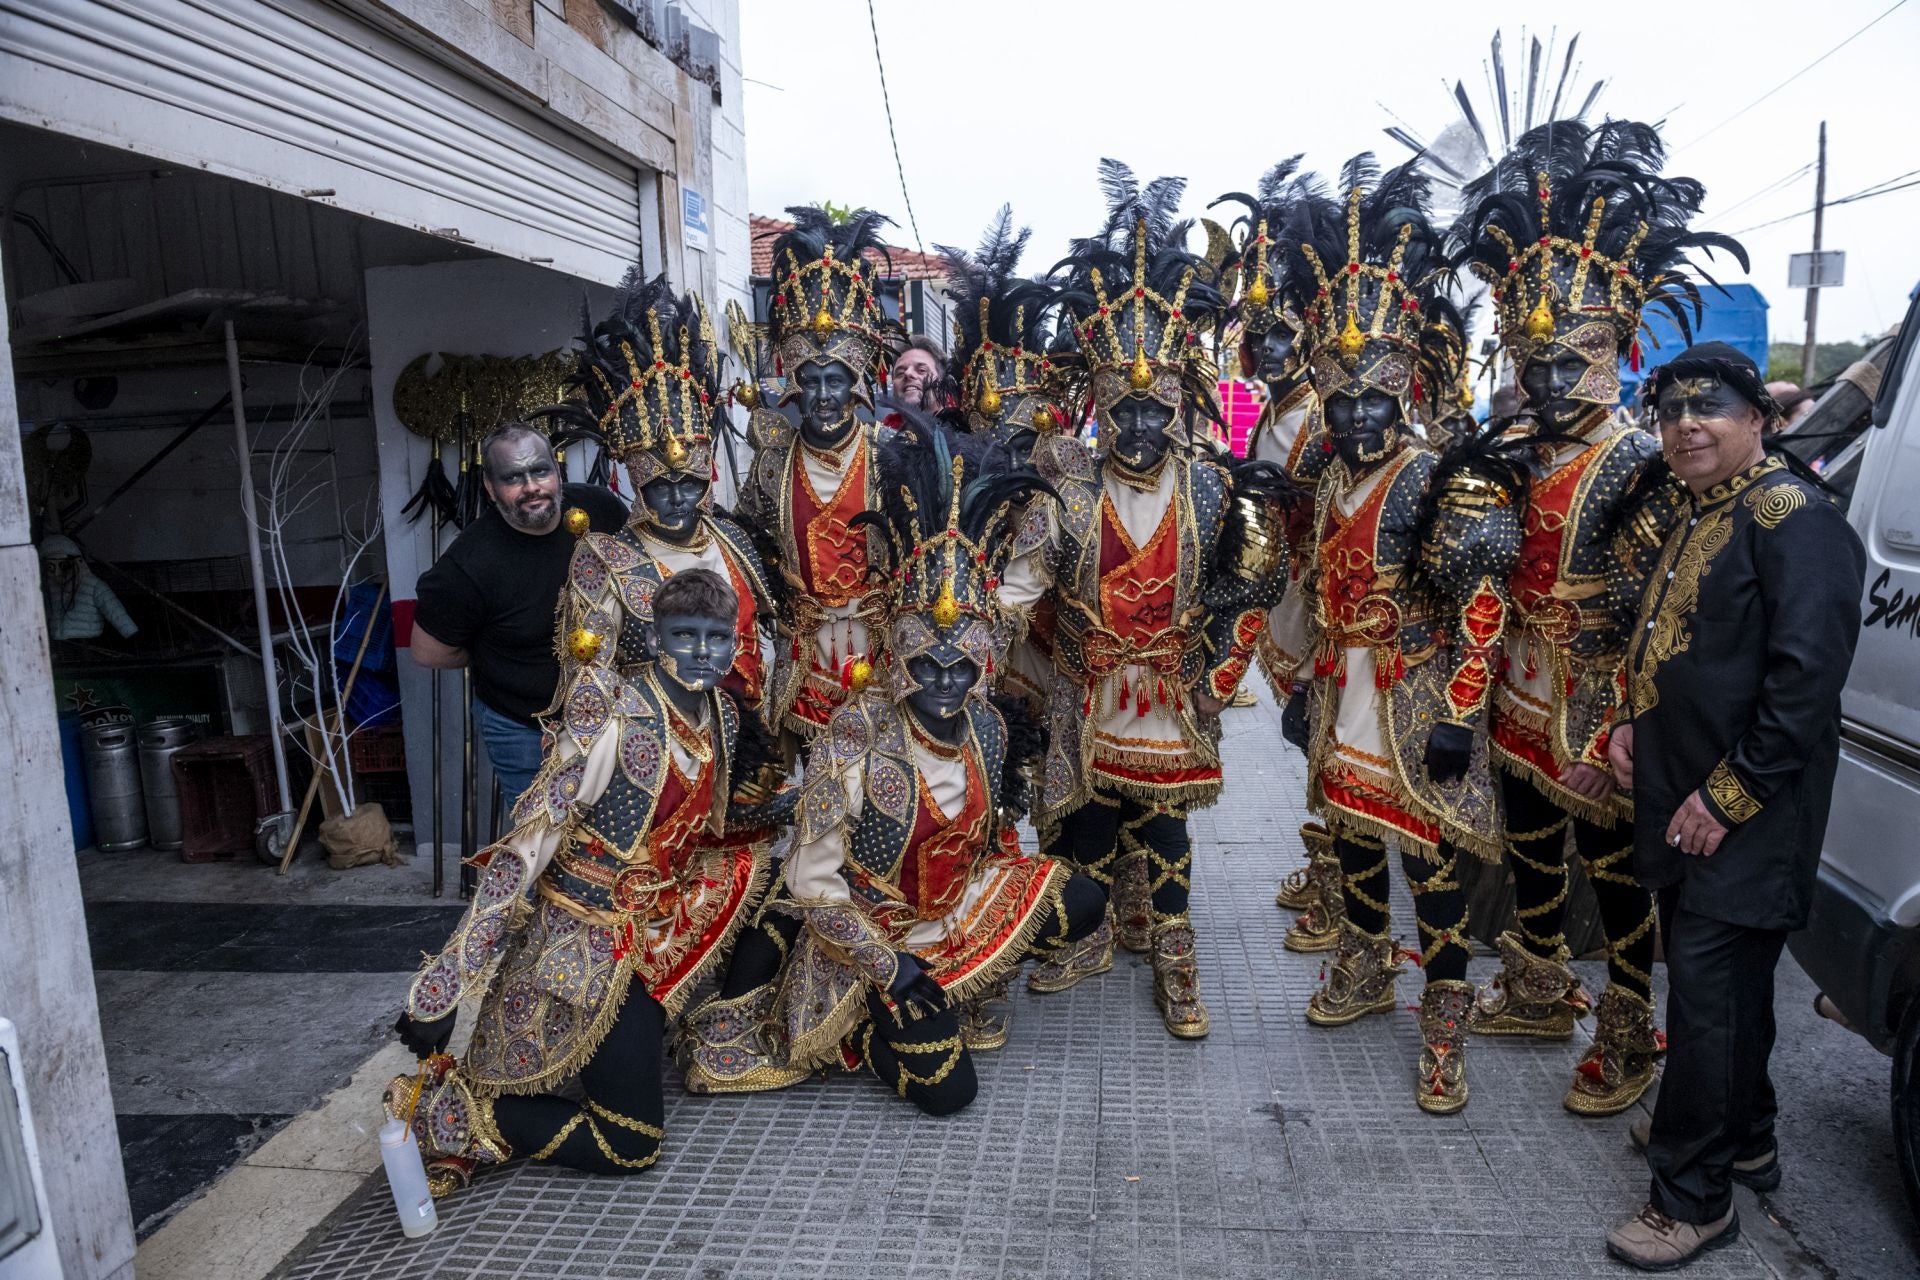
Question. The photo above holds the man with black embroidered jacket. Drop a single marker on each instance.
(1733, 687)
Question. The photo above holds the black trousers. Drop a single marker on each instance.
(1716, 1100)
(923, 1058)
(617, 1130)
(1537, 852)
(1439, 903)
(1099, 831)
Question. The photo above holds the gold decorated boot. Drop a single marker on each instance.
(1618, 1065)
(1446, 1010)
(1360, 980)
(1074, 962)
(1297, 891)
(1318, 928)
(454, 1128)
(1529, 996)
(1176, 978)
(737, 1045)
(1132, 902)
(987, 1019)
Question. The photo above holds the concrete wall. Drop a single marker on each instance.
(46, 975)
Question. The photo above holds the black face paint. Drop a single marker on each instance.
(673, 505)
(1140, 439)
(1699, 397)
(1363, 428)
(524, 484)
(942, 695)
(693, 652)
(1549, 384)
(825, 402)
(1273, 360)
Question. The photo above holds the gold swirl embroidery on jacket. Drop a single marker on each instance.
(1772, 506)
(1725, 789)
(1669, 635)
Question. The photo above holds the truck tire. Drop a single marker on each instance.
(1906, 1102)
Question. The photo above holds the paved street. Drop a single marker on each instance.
(1100, 1147)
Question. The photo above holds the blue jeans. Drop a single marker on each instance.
(513, 749)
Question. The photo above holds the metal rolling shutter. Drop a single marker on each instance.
(299, 97)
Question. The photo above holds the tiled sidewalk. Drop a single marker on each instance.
(1099, 1146)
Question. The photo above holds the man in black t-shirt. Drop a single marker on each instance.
(490, 601)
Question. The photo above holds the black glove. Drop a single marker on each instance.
(424, 1039)
(1293, 719)
(1449, 749)
(913, 988)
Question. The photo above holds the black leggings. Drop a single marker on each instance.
(1099, 832)
(1439, 904)
(617, 1130)
(924, 1059)
(1537, 852)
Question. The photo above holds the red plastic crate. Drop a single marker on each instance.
(379, 750)
(226, 786)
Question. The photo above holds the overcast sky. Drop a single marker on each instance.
(999, 101)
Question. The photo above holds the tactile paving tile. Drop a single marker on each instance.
(1100, 1147)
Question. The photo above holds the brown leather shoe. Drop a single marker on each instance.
(1651, 1241)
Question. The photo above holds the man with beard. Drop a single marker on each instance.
(489, 602)
(919, 375)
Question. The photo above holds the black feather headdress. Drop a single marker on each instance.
(1256, 259)
(1360, 271)
(1578, 233)
(1002, 331)
(1138, 299)
(824, 305)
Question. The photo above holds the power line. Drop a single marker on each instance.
(1865, 193)
(1769, 189)
(886, 101)
(1790, 79)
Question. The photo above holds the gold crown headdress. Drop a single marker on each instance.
(945, 525)
(1361, 318)
(650, 380)
(823, 297)
(1258, 303)
(1577, 233)
(1002, 371)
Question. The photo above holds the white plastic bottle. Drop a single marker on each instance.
(407, 1176)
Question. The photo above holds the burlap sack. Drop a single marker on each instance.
(358, 839)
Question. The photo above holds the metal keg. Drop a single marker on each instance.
(160, 740)
(113, 781)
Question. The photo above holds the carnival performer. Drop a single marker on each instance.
(808, 481)
(1290, 433)
(1160, 567)
(1406, 587)
(649, 388)
(616, 892)
(915, 895)
(1577, 233)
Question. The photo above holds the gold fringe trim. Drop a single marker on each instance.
(1606, 814)
(1427, 851)
(1190, 795)
(819, 1046)
(1014, 947)
(676, 997)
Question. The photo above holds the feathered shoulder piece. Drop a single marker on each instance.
(1578, 232)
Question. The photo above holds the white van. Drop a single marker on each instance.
(1862, 943)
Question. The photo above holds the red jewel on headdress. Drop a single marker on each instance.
(1585, 251)
(686, 374)
(986, 346)
(1139, 292)
(1513, 264)
(1353, 268)
(659, 364)
(704, 398)
(636, 382)
(1393, 277)
(1320, 293)
(1103, 311)
(779, 299)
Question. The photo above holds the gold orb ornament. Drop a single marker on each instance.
(579, 523)
(1352, 341)
(1140, 377)
(1540, 320)
(1257, 292)
(746, 395)
(583, 644)
(990, 400)
(676, 453)
(823, 322)
(860, 675)
(1043, 419)
(946, 609)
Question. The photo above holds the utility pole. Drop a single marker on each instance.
(1813, 282)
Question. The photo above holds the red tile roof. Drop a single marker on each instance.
(905, 262)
